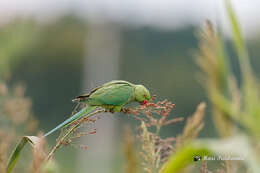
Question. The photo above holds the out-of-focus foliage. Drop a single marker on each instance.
(250, 97)
(235, 106)
(215, 65)
(16, 119)
(16, 38)
(235, 109)
(183, 157)
(130, 153)
(52, 68)
(192, 127)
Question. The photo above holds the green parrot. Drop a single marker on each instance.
(111, 96)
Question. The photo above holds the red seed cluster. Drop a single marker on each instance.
(153, 109)
(161, 107)
(83, 147)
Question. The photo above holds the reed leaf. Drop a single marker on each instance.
(33, 140)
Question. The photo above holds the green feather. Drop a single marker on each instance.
(117, 94)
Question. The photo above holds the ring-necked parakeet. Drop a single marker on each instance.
(112, 96)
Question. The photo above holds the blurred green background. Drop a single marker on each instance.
(51, 60)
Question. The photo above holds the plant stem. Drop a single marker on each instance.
(158, 130)
(59, 143)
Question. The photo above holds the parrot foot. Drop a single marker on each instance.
(108, 110)
(111, 111)
(125, 110)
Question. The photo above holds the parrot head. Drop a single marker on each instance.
(142, 95)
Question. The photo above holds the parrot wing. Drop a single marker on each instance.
(115, 94)
(113, 82)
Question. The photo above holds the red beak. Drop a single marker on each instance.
(144, 102)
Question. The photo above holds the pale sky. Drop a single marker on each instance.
(166, 14)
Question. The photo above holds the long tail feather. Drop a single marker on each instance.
(73, 118)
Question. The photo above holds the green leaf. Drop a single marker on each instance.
(239, 42)
(182, 158)
(250, 85)
(33, 140)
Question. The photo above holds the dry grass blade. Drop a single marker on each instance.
(193, 126)
(130, 152)
(39, 155)
(214, 63)
(204, 167)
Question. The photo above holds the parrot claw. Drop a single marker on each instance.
(125, 110)
(111, 111)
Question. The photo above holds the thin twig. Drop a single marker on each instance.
(75, 108)
(59, 143)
